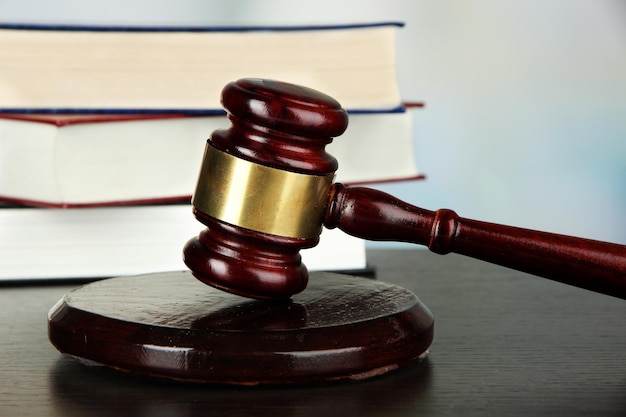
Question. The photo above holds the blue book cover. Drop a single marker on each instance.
(233, 28)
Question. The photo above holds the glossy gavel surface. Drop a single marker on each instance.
(281, 131)
(370, 214)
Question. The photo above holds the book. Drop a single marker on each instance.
(101, 126)
(89, 243)
(65, 68)
(84, 160)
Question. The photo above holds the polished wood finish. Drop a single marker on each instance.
(245, 262)
(371, 214)
(506, 344)
(283, 126)
(169, 325)
(287, 127)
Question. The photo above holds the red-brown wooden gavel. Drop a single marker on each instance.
(265, 189)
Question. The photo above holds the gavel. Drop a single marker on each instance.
(265, 190)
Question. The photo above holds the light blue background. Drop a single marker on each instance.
(525, 122)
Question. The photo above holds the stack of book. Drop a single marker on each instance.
(102, 131)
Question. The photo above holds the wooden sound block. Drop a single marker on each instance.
(170, 325)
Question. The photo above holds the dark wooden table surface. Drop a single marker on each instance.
(506, 343)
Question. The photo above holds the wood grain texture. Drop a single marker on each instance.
(506, 344)
(287, 127)
(375, 215)
(170, 325)
(278, 125)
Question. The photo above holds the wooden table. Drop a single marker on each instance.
(506, 343)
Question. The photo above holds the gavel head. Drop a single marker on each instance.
(263, 187)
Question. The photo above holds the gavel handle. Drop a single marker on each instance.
(374, 215)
